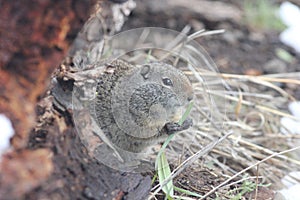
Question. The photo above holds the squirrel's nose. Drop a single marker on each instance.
(190, 98)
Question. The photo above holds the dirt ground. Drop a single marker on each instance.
(242, 49)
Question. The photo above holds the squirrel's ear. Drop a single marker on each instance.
(145, 71)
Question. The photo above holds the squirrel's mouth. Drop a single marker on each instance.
(176, 114)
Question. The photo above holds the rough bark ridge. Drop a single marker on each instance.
(51, 163)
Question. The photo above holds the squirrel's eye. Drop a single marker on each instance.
(167, 82)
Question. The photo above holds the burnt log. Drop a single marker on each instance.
(47, 159)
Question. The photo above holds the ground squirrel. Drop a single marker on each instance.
(139, 105)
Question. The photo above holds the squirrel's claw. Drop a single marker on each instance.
(172, 127)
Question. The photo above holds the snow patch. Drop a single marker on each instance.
(294, 107)
(290, 15)
(7, 132)
(291, 125)
(291, 193)
(291, 182)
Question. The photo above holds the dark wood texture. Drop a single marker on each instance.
(47, 160)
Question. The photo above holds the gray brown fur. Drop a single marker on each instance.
(134, 107)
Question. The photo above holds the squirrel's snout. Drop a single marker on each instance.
(190, 98)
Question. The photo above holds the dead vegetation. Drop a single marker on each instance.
(243, 110)
(254, 152)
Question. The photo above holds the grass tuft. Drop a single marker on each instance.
(262, 14)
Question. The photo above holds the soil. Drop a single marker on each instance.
(242, 49)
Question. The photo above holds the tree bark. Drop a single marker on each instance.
(47, 159)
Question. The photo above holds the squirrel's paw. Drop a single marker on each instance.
(173, 127)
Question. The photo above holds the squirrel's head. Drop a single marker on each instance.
(146, 97)
(176, 88)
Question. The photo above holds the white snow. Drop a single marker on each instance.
(6, 133)
(291, 182)
(291, 193)
(294, 107)
(290, 15)
(291, 125)
(291, 179)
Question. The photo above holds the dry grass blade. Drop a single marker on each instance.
(246, 169)
(202, 33)
(247, 150)
(265, 150)
(249, 107)
(182, 41)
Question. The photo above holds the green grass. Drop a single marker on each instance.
(284, 55)
(162, 166)
(247, 187)
(262, 14)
